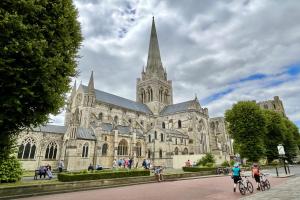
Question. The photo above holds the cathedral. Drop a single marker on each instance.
(100, 127)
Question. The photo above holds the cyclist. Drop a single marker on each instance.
(236, 175)
(256, 174)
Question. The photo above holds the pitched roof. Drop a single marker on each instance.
(176, 108)
(107, 127)
(123, 129)
(119, 101)
(85, 133)
(51, 129)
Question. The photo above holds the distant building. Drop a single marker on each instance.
(100, 127)
(275, 105)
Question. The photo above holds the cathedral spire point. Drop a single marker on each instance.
(154, 67)
(91, 82)
(73, 90)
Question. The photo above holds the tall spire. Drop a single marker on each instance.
(73, 90)
(154, 65)
(91, 83)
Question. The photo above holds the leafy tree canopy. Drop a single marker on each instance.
(39, 41)
(275, 134)
(246, 125)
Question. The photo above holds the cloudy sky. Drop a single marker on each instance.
(223, 51)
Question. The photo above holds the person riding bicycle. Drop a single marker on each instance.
(236, 175)
(256, 174)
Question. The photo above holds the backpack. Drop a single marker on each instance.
(255, 171)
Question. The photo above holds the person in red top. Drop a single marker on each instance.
(256, 174)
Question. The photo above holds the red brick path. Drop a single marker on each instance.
(193, 189)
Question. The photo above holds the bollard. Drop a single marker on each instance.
(277, 171)
(284, 166)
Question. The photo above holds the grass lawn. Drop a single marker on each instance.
(35, 182)
(28, 173)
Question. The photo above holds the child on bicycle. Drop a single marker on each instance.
(236, 175)
(256, 174)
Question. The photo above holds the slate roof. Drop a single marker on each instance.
(176, 108)
(119, 101)
(85, 133)
(51, 129)
(123, 129)
(106, 127)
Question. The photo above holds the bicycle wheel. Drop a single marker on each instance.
(262, 186)
(242, 188)
(250, 187)
(268, 185)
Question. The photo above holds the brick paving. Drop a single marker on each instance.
(192, 189)
(289, 190)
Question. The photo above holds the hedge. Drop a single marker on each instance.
(199, 169)
(68, 177)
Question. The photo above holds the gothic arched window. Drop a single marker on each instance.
(51, 151)
(123, 148)
(176, 150)
(155, 135)
(163, 125)
(100, 116)
(149, 153)
(27, 149)
(160, 153)
(185, 151)
(160, 95)
(161, 137)
(143, 95)
(149, 138)
(166, 94)
(116, 119)
(138, 149)
(104, 149)
(85, 150)
(179, 123)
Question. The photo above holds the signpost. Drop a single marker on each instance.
(281, 153)
(280, 150)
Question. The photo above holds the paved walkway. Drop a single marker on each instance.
(289, 190)
(193, 189)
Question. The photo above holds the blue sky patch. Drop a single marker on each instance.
(297, 123)
(252, 77)
(217, 95)
(293, 70)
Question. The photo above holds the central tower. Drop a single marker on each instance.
(153, 89)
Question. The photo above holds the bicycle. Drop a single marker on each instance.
(245, 185)
(264, 182)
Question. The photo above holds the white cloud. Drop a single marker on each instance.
(205, 46)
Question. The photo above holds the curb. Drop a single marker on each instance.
(105, 187)
(284, 176)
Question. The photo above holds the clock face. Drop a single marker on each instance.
(78, 99)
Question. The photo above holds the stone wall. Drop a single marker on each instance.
(179, 160)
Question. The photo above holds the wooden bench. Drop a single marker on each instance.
(39, 173)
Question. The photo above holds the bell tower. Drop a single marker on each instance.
(153, 88)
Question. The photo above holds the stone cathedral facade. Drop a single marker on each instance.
(100, 127)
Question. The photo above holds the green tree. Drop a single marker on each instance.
(208, 160)
(290, 140)
(39, 42)
(275, 134)
(247, 128)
